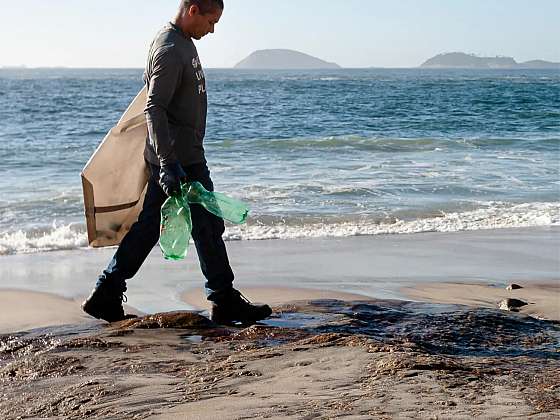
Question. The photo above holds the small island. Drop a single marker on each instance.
(281, 59)
(472, 61)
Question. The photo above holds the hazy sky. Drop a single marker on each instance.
(352, 33)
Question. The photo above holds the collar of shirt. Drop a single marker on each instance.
(179, 30)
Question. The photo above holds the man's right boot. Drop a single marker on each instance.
(105, 303)
(233, 308)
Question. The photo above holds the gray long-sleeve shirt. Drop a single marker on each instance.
(176, 102)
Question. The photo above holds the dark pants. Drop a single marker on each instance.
(207, 233)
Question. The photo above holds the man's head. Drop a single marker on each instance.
(197, 17)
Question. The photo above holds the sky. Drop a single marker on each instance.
(352, 33)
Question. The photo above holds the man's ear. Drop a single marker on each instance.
(193, 10)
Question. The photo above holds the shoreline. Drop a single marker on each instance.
(368, 266)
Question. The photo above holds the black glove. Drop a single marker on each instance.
(170, 177)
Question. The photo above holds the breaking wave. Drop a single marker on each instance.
(494, 216)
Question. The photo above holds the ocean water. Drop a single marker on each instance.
(314, 153)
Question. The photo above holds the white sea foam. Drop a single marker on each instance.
(496, 216)
(493, 215)
(59, 237)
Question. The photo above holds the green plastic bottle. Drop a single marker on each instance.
(175, 228)
(216, 203)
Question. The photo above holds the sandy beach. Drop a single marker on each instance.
(367, 327)
(327, 359)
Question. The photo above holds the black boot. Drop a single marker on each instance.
(105, 303)
(234, 308)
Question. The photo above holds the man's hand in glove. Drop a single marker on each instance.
(170, 177)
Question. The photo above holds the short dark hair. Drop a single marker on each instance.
(205, 6)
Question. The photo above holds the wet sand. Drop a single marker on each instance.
(327, 359)
(375, 266)
(543, 299)
(343, 341)
(24, 310)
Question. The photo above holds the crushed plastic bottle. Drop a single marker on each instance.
(221, 205)
(176, 223)
(175, 228)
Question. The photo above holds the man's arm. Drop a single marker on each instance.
(164, 80)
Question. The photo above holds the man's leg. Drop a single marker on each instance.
(207, 234)
(229, 306)
(105, 302)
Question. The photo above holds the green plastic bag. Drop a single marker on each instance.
(175, 228)
(221, 205)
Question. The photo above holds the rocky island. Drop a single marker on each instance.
(462, 60)
(282, 59)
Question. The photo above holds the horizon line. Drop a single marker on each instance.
(25, 67)
(10, 67)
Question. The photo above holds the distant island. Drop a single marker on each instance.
(462, 60)
(280, 59)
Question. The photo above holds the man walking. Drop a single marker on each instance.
(176, 117)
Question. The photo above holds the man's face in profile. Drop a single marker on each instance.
(204, 24)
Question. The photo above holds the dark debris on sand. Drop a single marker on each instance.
(382, 359)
